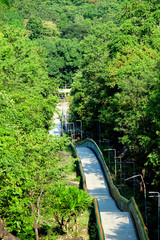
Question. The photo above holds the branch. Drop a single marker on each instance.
(38, 201)
(4, 233)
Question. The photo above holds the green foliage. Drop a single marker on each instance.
(119, 80)
(66, 19)
(109, 52)
(35, 27)
(23, 186)
(26, 107)
(63, 59)
(67, 202)
(5, 2)
(49, 29)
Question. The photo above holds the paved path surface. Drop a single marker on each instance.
(62, 109)
(57, 128)
(117, 225)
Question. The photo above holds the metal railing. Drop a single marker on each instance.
(122, 203)
(98, 219)
(95, 202)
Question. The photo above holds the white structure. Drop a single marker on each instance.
(63, 94)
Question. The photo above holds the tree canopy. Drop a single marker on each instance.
(108, 53)
(118, 80)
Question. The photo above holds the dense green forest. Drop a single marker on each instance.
(33, 169)
(119, 81)
(109, 53)
(121, 68)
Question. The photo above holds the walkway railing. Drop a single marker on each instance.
(122, 203)
(80, 168)
(95, 202)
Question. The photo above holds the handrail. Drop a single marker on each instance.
(123, 203)
(80, 168)
(95, 202)
(98, 219)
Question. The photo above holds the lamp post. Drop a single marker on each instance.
(120, 172)
(144, 186)
(158, 196)
(108, 143)
(115, 164)
(80, 126)
(71, 123)
(133, 174)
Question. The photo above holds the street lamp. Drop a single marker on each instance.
(71, 123)
(80, 126)
(120, 172)
(121, 169)
(158, 196)
(115, 164)
(144, 186)
(125, 177)
(108, 143)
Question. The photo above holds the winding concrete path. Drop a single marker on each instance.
(117, 225)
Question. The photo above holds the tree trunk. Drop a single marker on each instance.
(4, 234)
(36, 222)
(36, 232)
(35, 226)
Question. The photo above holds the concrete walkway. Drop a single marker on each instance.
(117, 225)
(57, 126)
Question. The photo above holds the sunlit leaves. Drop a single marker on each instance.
(26, 107)
(67, 202)
(119, 80)
(63, 59)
